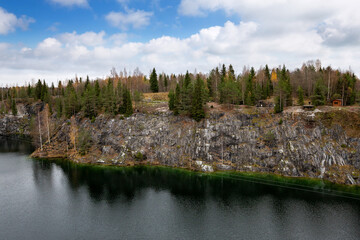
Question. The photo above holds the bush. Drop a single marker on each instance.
(270, 139)
(84, 141)
(139, 156)
(281, 121)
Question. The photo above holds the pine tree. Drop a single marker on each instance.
(177, 101)
(187, 80)
(29, 91)
(71, 100)
(171, 96)
(197, 110)
(300, 93)
(249, 91)
(59, 108)
(154, 86)
(166, 82)
(13, 107)
(38, 89)
(89, 102)
(109, 98)
(269, 89)
(126, 107)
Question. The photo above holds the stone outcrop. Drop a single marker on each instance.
(298, 145)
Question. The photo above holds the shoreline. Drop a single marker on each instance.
(316, 185)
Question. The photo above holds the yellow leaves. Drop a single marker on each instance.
(273, 76)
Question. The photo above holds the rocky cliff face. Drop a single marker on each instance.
(303, 144)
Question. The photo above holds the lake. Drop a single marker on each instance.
(41, 199)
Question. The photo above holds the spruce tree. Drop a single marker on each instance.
(249, 91)
(38, 89)
(197, 110)
(300, 93)
(154, 86)
(166, 82)
(13, 107)
(89, 102)
(171, 96)
(126, 107)
(187, 80)
(177, 101)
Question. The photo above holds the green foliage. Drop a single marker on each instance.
(71, 100)
(13, 107)
(126, 107)
(249, 90)
(38, 88)
(319, 94)
(300, 93)
(89, 102)
(270, 139)
(279, 107)
(59, 108)
(177, 101)
(138, 96)
(84, 141)
(154, 86)
(139, 156)
(171, 100)
(281, 121)
(197, 111)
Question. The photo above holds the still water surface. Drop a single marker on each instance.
(59, 200)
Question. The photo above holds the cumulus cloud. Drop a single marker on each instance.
(239, 44)
(9, 22)
(70, 3)
(337, 23)
(130, 18)
(88, 39)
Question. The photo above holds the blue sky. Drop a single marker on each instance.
(52, 18)
(58, 39)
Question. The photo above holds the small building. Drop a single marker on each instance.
(309, 107)
(337, 103)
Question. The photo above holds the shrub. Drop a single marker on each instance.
(84, 141)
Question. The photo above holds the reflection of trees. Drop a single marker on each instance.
(42, 173)
(112, 183)
(15, 144)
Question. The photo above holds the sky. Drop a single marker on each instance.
(60, 39)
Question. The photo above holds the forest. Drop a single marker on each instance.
(187, 93)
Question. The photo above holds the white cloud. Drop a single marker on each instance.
(131, 18)
(70, 3)
(87, 39)
(9, 22)
(239, 44)
(337, 23)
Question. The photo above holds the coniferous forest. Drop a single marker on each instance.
(188, 93)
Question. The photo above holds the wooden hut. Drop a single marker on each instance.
(337, 103)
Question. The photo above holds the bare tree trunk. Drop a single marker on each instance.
(40, 131)
(48, 127)
(328, 95)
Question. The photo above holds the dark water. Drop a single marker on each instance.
(47, 200)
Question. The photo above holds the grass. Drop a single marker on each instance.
(161, 96)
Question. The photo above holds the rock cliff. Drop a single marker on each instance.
(307, 144)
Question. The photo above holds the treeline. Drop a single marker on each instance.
(88, 97)
(279, 87)
(188, 93)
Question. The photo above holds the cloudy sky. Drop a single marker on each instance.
(57, 39)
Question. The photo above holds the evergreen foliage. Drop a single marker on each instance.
(154, 86)
(300, 93)
(197, 110)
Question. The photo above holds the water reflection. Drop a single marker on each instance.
(110, 183)
(87, 202)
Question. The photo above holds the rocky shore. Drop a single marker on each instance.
(319, 144)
